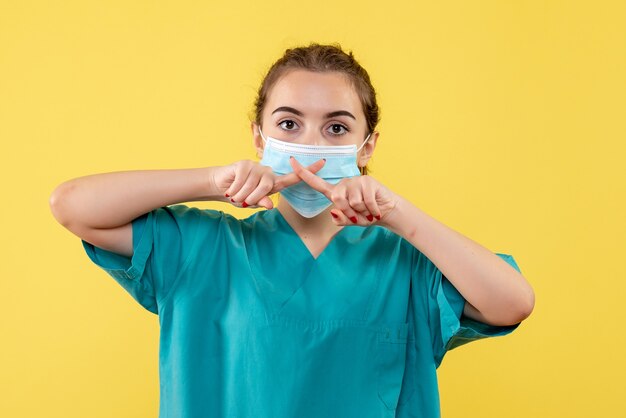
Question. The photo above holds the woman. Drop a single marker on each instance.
(339, 302)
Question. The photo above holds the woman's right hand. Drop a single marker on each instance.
(250, 184)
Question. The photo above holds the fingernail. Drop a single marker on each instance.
(370, 218)
(226, 194)
(244, 204)
(334, 216)
(353, 219)
(232, 200)
(378, 217)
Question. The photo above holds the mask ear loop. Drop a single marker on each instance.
(364, 142)
(262, 136)
(359, 149)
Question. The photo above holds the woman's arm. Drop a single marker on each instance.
(99, 208)
(497, 294)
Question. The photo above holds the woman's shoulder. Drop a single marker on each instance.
(185, 213)
(379, 233)
(377, 236)
(203, 216)
(195, 218)
(394, 246)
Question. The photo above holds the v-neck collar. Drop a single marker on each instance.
(278, 216)
(282, 265)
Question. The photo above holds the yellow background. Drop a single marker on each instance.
(504, 120)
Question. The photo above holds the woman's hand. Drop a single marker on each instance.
(358, 200)
(250, 184)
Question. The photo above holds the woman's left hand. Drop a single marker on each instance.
(359, 200)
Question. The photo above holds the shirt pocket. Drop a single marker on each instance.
(334, 367)
(390, 362)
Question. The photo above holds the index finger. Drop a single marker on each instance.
(316, 182)
(290, 179)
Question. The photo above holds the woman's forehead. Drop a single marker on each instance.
(314, 93)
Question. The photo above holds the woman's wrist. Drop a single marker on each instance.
(397, 219)
(207, 187)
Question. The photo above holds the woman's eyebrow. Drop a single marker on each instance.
(328, 115)
(288, 109)
(340, 113)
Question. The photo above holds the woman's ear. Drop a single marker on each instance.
(257, 140)
(368, 149)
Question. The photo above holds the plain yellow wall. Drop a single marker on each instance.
(504, 120)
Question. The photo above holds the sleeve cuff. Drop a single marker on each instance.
(128, 272)
(457, 329)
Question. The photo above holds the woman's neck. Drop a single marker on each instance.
(319, 227)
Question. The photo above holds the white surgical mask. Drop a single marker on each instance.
(341, 162)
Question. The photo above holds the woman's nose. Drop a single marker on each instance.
(312, 137)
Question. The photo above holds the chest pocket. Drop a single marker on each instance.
(390, 363)
(334, 367)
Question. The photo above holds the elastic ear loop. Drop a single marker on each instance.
(359, 149)
(265, 141)
(262, 136)
(364, 142)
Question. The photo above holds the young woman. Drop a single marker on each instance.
(339, 302)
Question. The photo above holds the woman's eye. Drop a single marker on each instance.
(287, 124)
(338, 129)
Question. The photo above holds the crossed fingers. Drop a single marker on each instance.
(354, 201)
(252, 183)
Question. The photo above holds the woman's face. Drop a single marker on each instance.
(311, 108)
